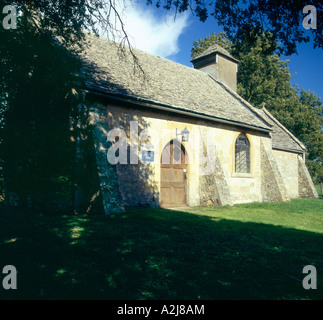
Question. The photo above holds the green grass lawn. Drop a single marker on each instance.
(251, 251)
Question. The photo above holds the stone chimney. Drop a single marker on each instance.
(218, 63)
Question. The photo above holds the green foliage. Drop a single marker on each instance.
(67, 19)
(36, 105)
(264, 80)
(309, 123)
(319, 188)
(316, 170)
(2, 190)
(283, 19)
(202, 44)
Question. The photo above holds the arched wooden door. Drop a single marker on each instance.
(173, 182)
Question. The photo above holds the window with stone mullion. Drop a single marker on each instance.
(242, 154)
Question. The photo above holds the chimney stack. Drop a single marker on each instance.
(218, 63)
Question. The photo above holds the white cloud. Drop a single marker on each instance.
(154, 34)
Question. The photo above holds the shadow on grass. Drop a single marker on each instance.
(156, 254)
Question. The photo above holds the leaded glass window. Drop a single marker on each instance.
(242, 154)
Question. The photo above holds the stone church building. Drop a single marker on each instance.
(169, 135)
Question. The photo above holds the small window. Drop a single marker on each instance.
(242, 154)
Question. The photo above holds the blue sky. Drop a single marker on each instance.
(155, 31)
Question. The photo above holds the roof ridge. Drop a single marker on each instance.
(215, 48)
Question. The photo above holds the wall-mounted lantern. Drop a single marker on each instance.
(185, 133)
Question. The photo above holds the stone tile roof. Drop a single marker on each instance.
(180, 87)
(164, 82)
(282, 138)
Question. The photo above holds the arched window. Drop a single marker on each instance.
(242, 154)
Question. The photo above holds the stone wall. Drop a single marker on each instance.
(272, 183)
(226, 71)
(288, 166)
(108, 178)
(214, 190)
(137, 185)
(210, 146)
(210, 152)
(244, 187)
(306, 188)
